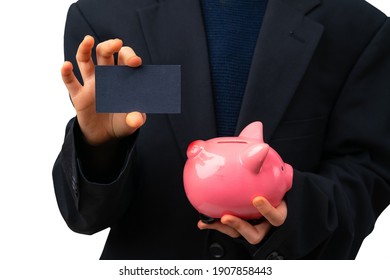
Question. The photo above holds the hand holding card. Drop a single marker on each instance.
(147, 89)
(97, 128)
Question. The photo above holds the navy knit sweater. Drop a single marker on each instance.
(232, 28)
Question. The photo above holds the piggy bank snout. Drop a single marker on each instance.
(195, 148)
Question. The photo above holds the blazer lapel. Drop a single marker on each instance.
(174, 34)
(285, 46)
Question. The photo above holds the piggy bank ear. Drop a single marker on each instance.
(195, 148)
(252, 158)
(253, 131)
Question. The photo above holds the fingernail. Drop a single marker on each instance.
(257, 202)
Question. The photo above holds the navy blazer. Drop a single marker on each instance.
(319, 82)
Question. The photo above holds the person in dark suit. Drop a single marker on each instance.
(314, 72)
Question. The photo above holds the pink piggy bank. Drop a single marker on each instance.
(223, 175)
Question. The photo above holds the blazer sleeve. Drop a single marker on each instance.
(330, 212)
(89, 200)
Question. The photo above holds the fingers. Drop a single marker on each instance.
(236, 227)
(104, 55)
(276, 216)
(84, 59)
(253, 234)
(69, 79)
(128, 57)
(105, 51)
(219, 227)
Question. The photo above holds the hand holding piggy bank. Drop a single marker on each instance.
(223, 175)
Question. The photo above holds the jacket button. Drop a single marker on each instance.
(216, 250)
(275, 256)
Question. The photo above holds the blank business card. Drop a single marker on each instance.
(147, 89)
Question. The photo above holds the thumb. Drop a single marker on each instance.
(135, 120)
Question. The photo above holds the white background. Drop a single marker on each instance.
(34, 240)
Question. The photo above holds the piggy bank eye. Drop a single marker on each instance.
(282, 168)
(195, 148)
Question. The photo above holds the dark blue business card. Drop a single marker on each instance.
(147, 89)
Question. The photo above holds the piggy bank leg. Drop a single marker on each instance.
(206, 219)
